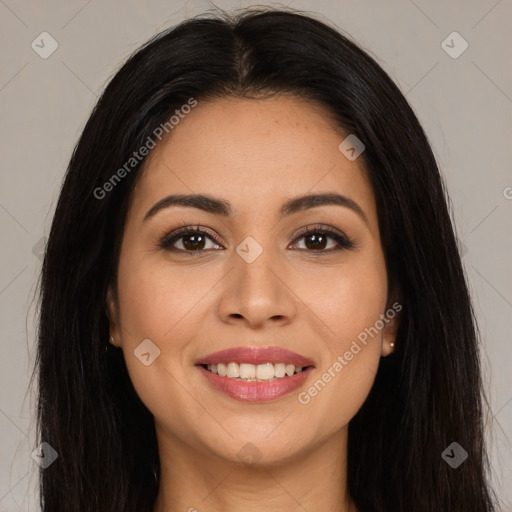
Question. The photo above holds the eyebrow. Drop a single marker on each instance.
(219, 206)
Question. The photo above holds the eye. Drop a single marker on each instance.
(196, 239)
(188, 240)
(316, 239)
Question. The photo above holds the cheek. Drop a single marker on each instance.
(348, 299)
(349, 302)
(155, 298)
(164, 303)
(149, 308)
(361, 301)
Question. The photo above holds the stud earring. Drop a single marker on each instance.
(392, 344)
(112, 341)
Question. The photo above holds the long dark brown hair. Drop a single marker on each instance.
(426, 395)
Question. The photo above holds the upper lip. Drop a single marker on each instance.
(256, 355)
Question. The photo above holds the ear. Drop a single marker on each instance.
(113, 316)
(391, 322)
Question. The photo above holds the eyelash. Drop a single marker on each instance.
(343, 241)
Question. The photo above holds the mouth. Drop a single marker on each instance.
(255, 374)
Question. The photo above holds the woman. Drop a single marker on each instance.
(252, 296)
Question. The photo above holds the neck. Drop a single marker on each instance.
(193, 481)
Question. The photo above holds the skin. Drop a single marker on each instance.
(254, 153)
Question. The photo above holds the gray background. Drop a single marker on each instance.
(464, 104)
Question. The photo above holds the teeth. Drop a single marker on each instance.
(222, 370)
(289, 369)
(251, 372)
(233, 370)
(279, 369)
(265, 371)
(247, 371)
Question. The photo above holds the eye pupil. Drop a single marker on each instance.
(318, 241)
(192, 245)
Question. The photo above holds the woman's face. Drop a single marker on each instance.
(252, 281)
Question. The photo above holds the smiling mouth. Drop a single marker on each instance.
(245, 372)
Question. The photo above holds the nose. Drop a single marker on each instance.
(257, 294)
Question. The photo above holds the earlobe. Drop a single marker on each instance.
(390, 329)
(387, 348)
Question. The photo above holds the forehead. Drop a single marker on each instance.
(255, 153)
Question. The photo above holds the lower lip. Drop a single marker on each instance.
(256, 391)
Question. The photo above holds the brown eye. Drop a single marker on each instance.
(188, 240)
(193, 242)
(317, 239)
